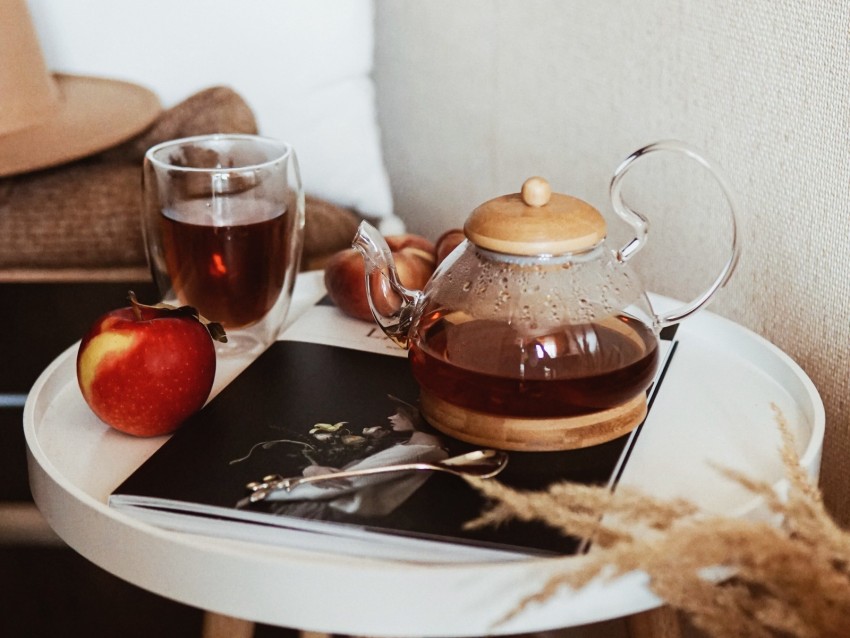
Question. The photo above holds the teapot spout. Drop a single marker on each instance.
(393, 305)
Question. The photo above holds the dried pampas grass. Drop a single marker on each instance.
(787, 577)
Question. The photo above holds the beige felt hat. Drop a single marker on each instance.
(48, 119)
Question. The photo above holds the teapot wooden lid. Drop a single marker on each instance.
(535, 221)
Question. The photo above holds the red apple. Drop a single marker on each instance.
(345, 274)
(143, 369)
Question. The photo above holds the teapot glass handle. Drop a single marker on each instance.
(641, 223)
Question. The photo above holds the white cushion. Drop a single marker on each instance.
(304, 67)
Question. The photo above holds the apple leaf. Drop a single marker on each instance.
(215, 329)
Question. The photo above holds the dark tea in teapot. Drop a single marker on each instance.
(578, 369)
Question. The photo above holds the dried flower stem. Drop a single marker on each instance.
(786, 577)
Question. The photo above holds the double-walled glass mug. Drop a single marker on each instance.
(223, 225)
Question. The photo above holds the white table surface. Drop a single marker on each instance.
(715, 407)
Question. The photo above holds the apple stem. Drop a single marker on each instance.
(134, 303)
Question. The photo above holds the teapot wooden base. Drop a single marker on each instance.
(532, 435)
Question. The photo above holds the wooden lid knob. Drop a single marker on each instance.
(536, 191)
(535, 221)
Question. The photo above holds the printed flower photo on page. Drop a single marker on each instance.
(324, 448)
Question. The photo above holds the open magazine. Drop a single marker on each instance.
(334, 394)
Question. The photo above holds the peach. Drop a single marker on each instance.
(345, 275)
(447, 242)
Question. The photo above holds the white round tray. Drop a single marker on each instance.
(716, 407)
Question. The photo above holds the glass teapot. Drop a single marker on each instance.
(534, 334)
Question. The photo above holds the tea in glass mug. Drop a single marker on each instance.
(223, 221)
